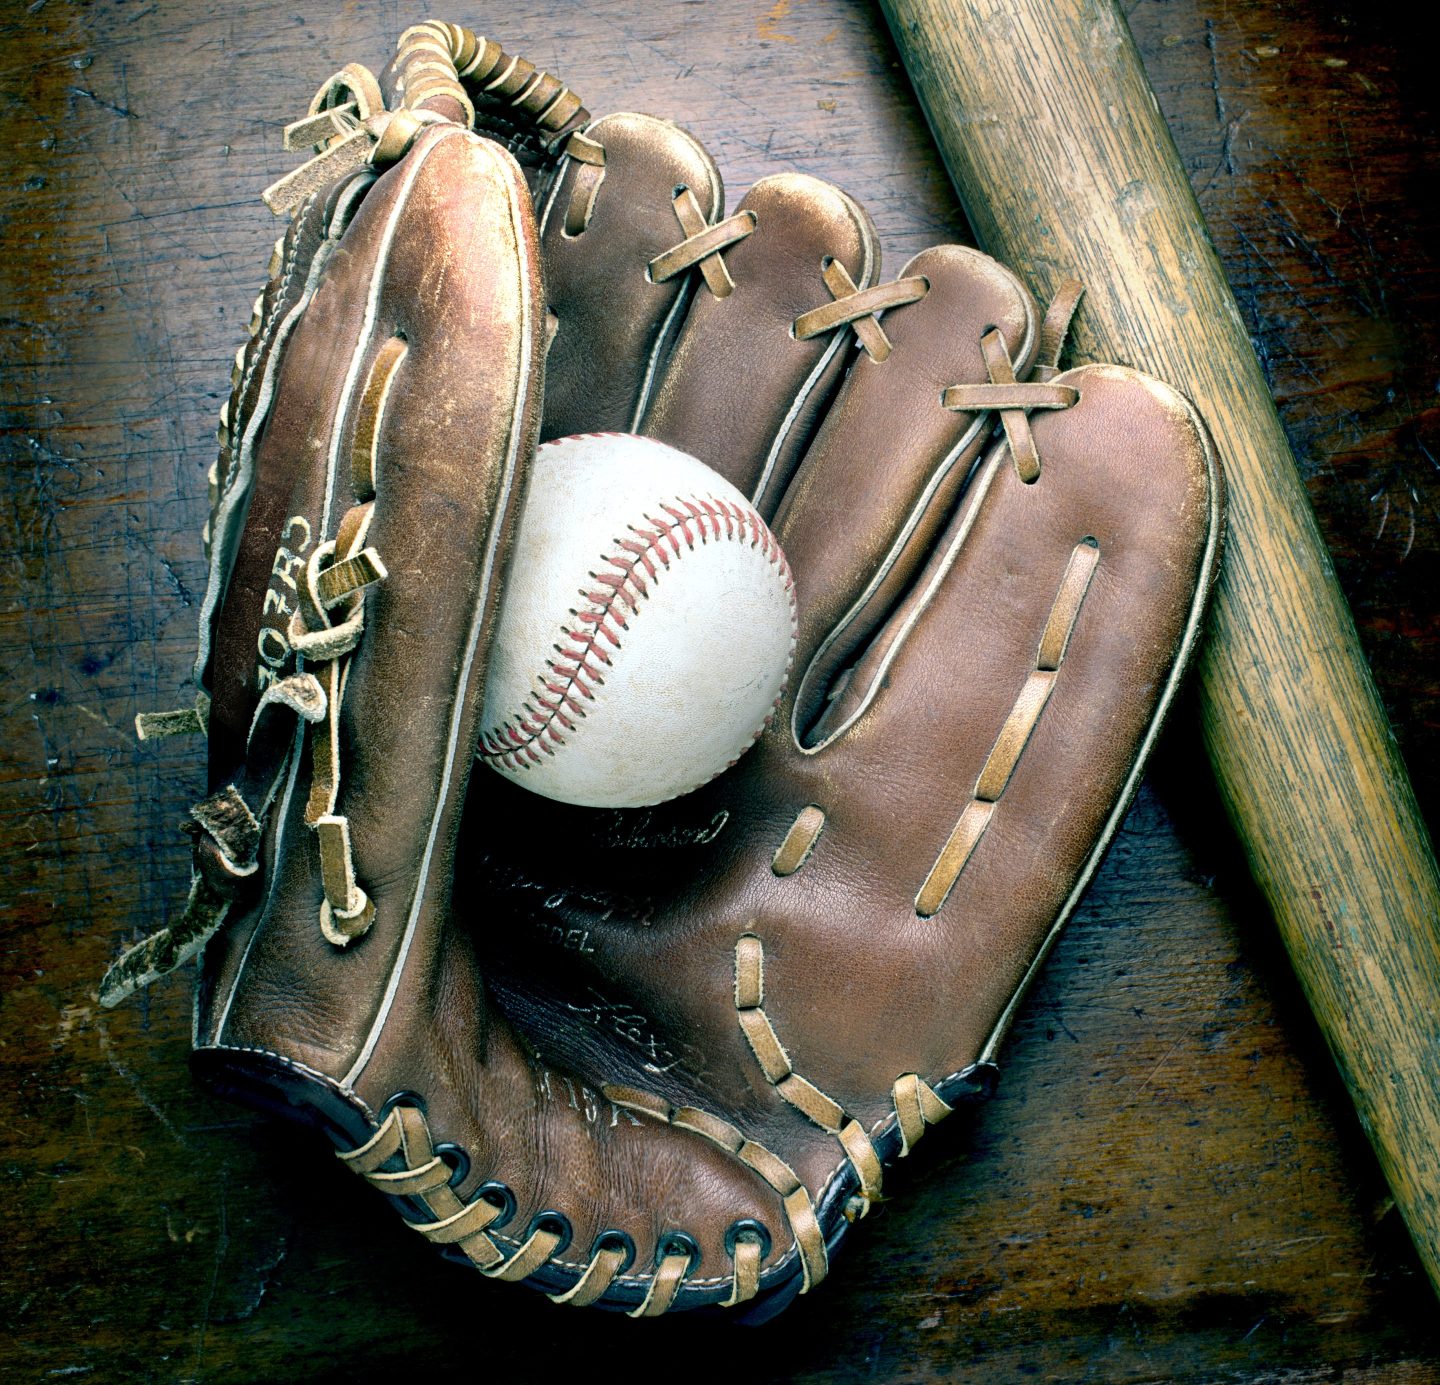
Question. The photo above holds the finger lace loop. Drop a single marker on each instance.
(665, 1285)
(1056, 327)
(702, 245)
(589, 157)
(860, 308)
(1011, 398)
(585, 150)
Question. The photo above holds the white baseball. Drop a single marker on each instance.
(646, 630)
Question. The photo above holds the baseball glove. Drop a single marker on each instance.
(654, 1058)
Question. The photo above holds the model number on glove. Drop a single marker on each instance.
(273, 644)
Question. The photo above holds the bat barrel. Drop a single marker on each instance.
(1064, 164)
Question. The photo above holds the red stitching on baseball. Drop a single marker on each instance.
(512, 744)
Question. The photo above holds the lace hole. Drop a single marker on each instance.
(613, 1240)
(747, 1230)
(403, 1098)
(457, 1159)
(677, 1243)
(498, 1195)
(556, 1224)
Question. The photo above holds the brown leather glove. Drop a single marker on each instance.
(373, 457)
(804, 965)
(656, 1058)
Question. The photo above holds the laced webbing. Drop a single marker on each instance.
(441, 70)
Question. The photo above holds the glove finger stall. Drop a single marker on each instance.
(611, 214)
(741, 390)
(887, 466)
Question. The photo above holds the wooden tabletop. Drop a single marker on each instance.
(1170, 1184)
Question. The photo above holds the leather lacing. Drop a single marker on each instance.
(1015, 732)
(795, 1199)
(1014, 399)
(401, 1160)
(859, 308)
(849, 306)
(323, 632)
(441, 71)
(916, 1107)
(916, 1104)
(335, 579)
(351, 128)
(704, 244)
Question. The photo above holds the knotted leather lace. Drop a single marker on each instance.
(335, 579)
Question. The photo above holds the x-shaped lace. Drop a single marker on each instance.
(1013, 399)
(702, 245)
(859, 308)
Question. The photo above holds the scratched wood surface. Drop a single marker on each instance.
(1170, 1184)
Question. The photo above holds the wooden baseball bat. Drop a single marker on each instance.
(1064, 165)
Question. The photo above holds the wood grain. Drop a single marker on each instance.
(1171, 1184)
(1060, 153)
